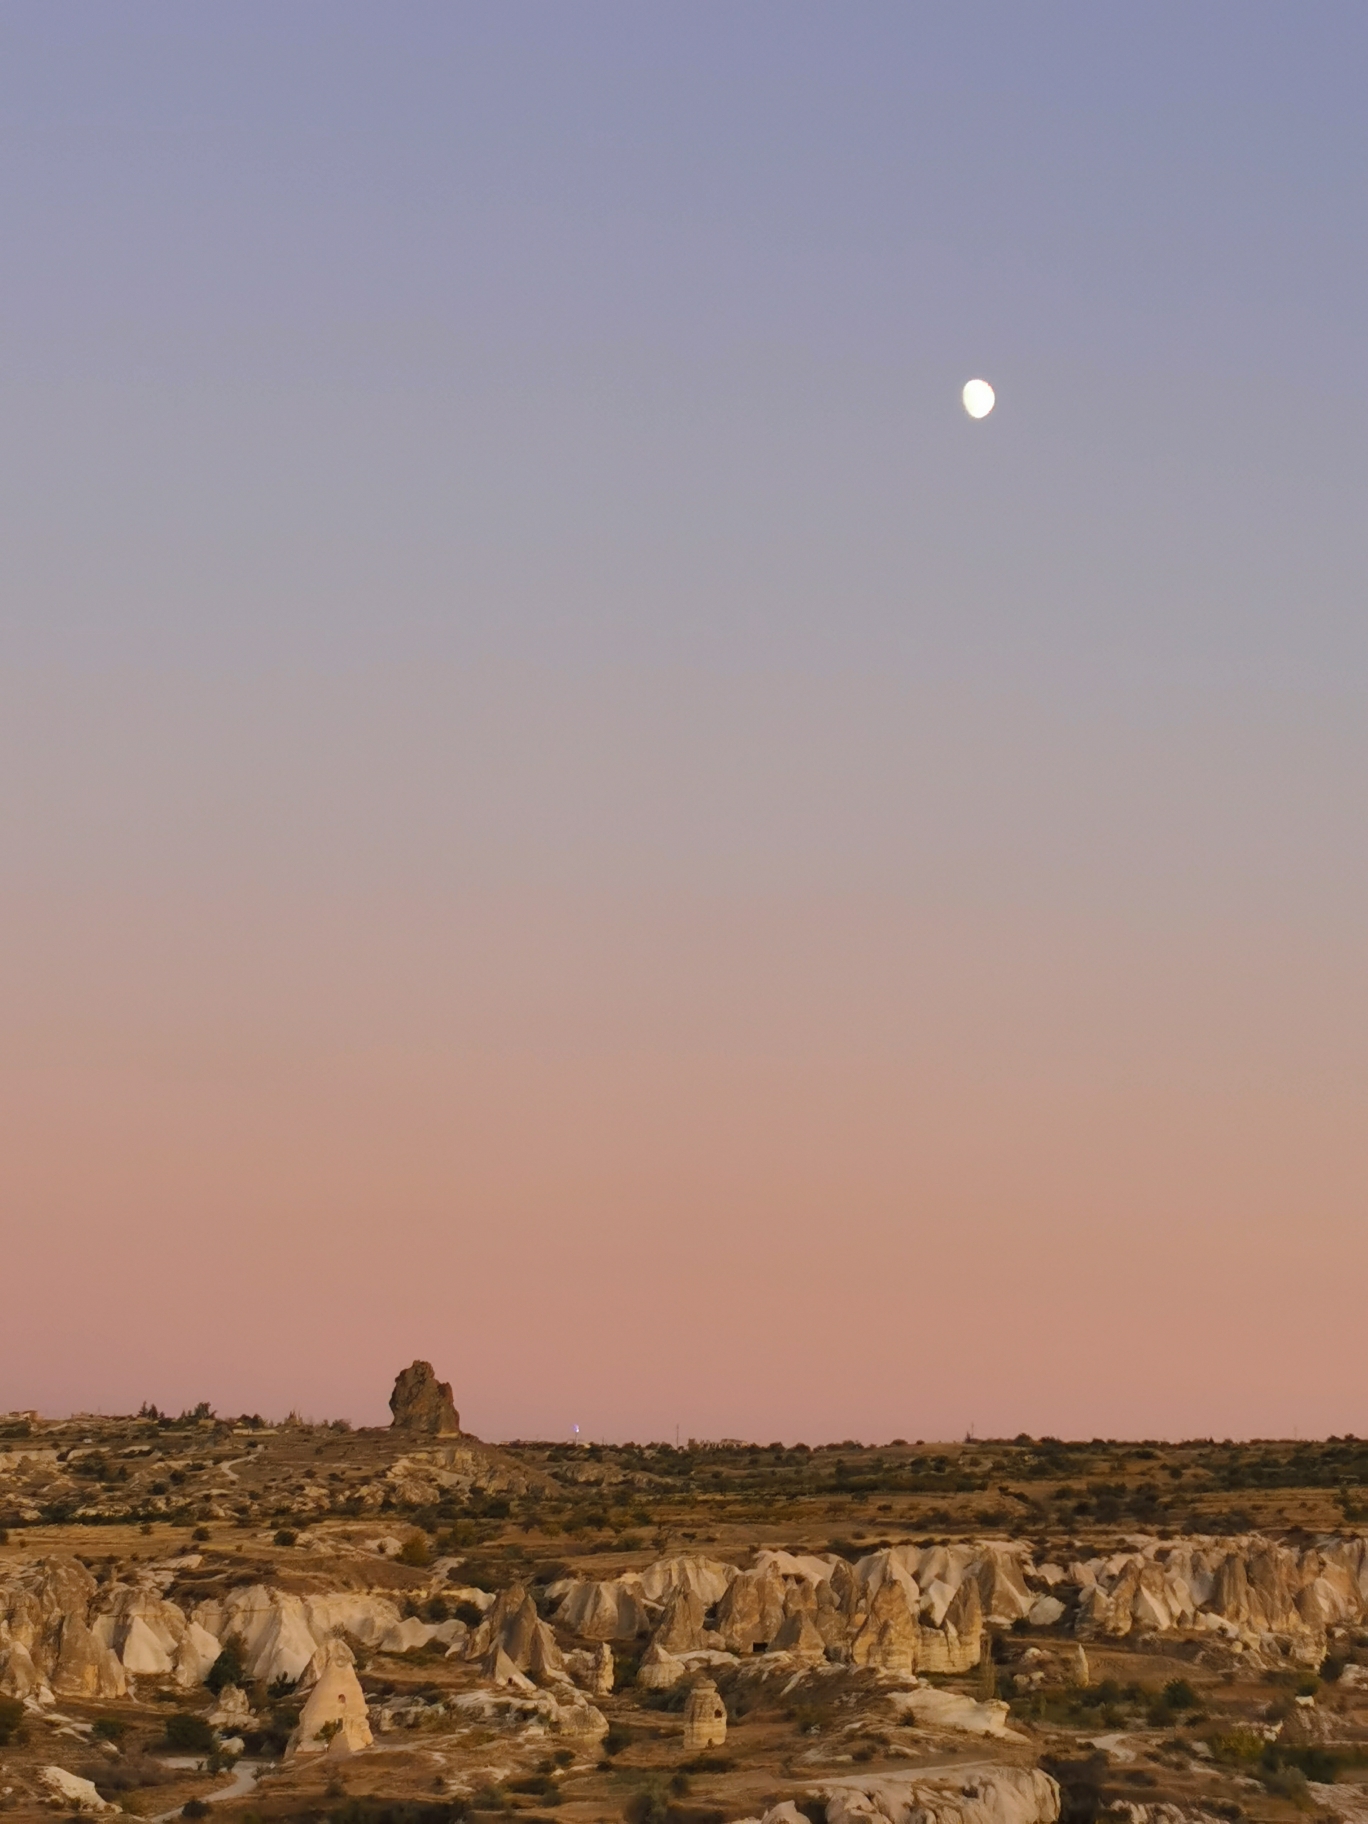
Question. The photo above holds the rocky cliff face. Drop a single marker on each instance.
(902, 1610)
(1253, 1591)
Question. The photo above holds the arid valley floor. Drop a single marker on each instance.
(408, 1625)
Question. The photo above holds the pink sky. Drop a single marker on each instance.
(876, 1123)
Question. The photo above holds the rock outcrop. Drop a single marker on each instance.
(422, 1403)
(936, 1709)
(1258, 1593)
(69, 1789)
(46, 1642)
(659, 1670)
(1006, 1795)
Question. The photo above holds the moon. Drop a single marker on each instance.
(979, 398)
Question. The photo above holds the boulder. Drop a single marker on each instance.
(659, 1670)
(936, 1709)
(579, 1720)
(1045, 1611)
(232, 1711)
(422, 1403)
(71, 1789)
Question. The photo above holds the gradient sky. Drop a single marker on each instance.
(564, 811)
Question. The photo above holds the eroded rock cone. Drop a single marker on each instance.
(420, 1402)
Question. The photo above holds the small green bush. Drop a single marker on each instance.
(1317, 1764)
(228, 1669)
(194, 1808)
(649, 1805)
(1289, 1783)
(540, 1784)
(11, 1720)
(414, 1551)
(189, 1734)
(285, 1536)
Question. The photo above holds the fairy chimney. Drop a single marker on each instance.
(705, 1717)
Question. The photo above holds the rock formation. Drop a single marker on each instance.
(71, 1791)
(1007, 1795)
(659, 1670)
(232, 1713)
(422, 1403)
(937, 1709)
(705, 1718)
(334, 1715)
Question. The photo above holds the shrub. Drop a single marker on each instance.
(227, 1669)
(393, 1811)
(648, 1805)
(11, 1719)
(285, 1536)
(1179, 1695)
(190, 1734)
(489, 1798)
(201, 1535)
(617, 1739)
(1317, 1764)
(1080, 1785)
(130, 1773)
(414, 1551)
(540, 1784)
(1289, 1783)
(110, 1728)
(194, 1808)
